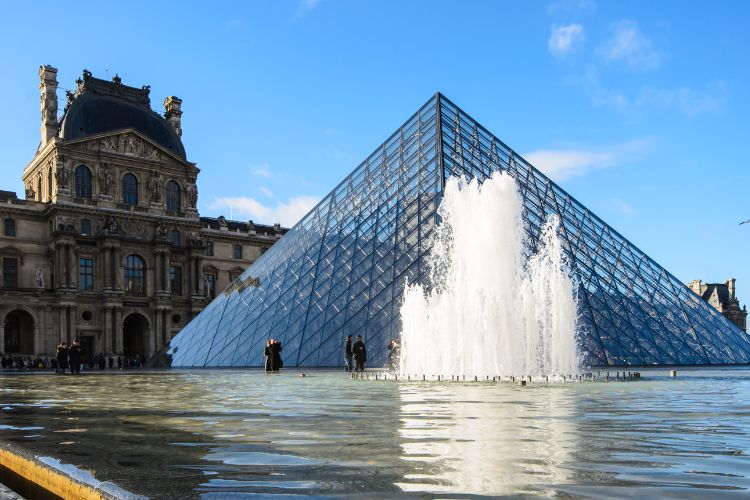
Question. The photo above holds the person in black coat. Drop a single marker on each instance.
(74, 358)
(360, 354)
(62, 358)
(276, 353)
(348, 353)
(268, 353)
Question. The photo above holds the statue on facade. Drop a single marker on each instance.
(207, 285)
(106, 179)
(250, 225)
(161, 230)
(30, 193)
(191, 190)
(154, 186)
(277, 227)
(110, 225)
(62, 173)
(39, 277)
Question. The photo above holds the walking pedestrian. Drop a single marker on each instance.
(360, 354)
(348, 353)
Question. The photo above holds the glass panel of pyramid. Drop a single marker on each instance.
(342, 269)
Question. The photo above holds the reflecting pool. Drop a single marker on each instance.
(230, 433)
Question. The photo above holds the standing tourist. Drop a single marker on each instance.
(348, 353)
(360, 354)
(74, 358)
(276, 353)
(268, 353)
(62, 358)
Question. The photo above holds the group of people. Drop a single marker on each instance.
(356, 352)
(68, 357)
(272, 354)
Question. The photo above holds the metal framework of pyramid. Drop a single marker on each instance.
(342, 269)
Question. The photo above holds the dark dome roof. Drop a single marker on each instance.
(91, 114)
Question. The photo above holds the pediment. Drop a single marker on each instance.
(129, 143)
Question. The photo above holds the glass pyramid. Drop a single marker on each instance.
(342, 269)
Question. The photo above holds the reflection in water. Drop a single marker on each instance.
(184, 434)
(485, 441)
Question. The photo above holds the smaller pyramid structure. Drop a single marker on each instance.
(342, 269)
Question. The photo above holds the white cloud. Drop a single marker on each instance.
(266, 192)
(629, 45)
(685, 100)
(624, 207)
(286, 213)
(563, 39)
(305, 7)
(261, 170)
(561, 164)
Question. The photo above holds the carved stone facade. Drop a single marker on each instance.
(722, 297)
(108, 245)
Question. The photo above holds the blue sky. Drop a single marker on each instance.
(639, 109)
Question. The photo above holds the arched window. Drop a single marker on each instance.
(135, 271)
(173, 196)
(82, 182)
(85, 227)
(174, 237)
(129, 189)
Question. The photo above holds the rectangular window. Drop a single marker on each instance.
(10, 273)
(210, 284)
(209, 249)
(175, 280)
(86, 273)
(237, 253)
(9, 227)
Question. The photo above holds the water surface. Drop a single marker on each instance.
(232, 433)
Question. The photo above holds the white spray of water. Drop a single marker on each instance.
(491, 311)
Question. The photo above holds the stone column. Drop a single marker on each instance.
(63, 321)
(117, 275)
(104, 266)
(165, 273)
(199, 275)
(59, 268)
(108, 330)
(73, 318)
(118, 330)
(73, 265)
(157, 327)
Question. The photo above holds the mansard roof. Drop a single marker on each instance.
(98, 106)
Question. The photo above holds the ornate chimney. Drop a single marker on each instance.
(730, 286)
(48, 87)
(173, 113)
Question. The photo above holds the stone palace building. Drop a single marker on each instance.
(108, 246)
(723, 297)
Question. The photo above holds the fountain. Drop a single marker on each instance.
(493, 306)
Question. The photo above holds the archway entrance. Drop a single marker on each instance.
(134, 335)
(19, 333)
